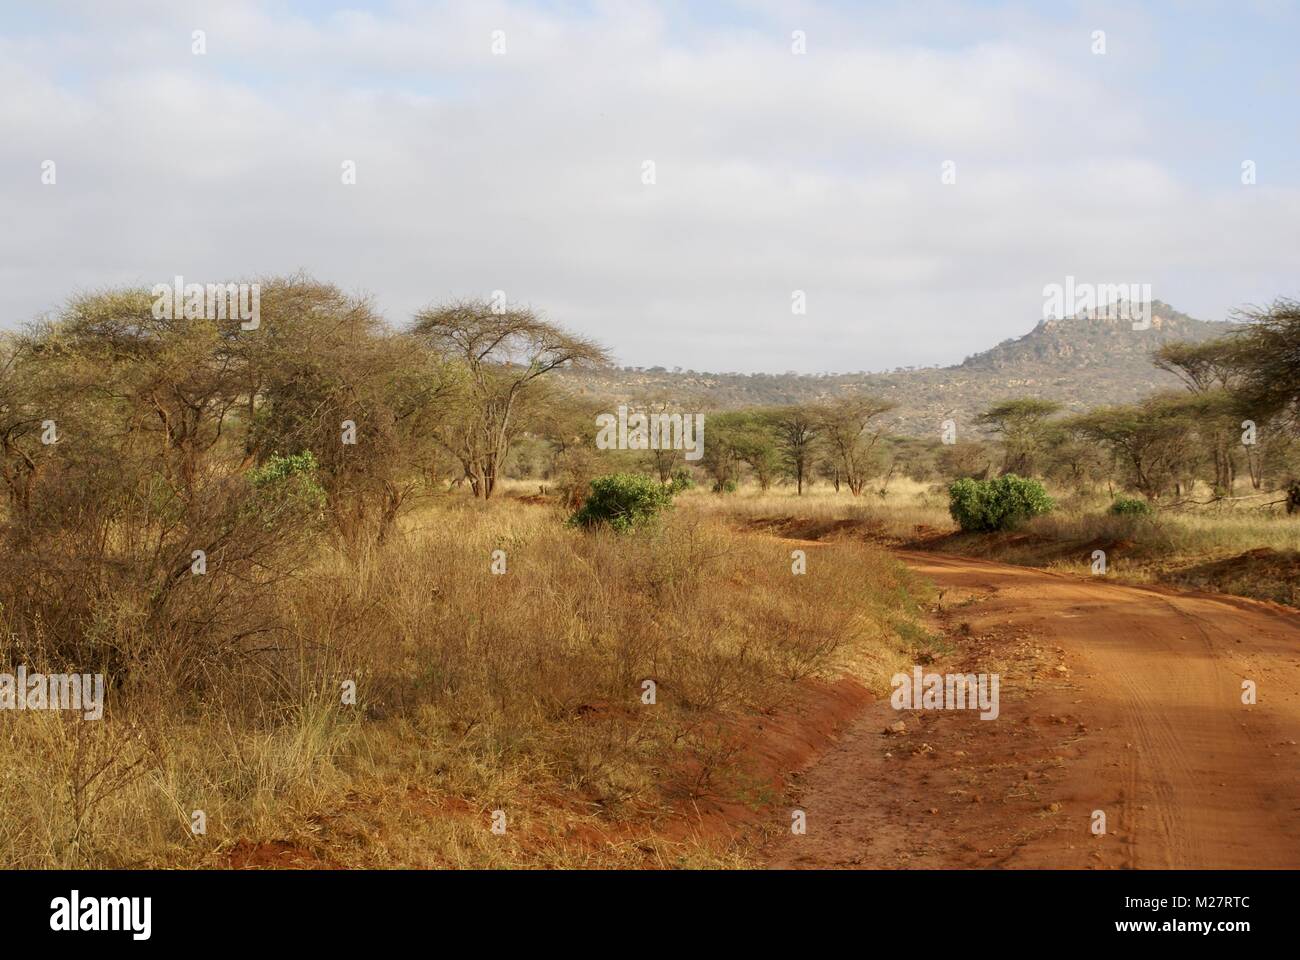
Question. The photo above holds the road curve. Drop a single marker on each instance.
(1121, 702)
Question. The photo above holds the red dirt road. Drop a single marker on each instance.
(1114, 698)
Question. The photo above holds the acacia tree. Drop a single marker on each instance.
(363, 400)
(915, 457)
(850, 431)
(796, 433)
(1152, 441)
(24, 408)
(564, 420)
(755, 443)
(139, 482)
(1201, 366)
(967, 458)
(1073, 458)
(723, 453)
(179, 377)
(501, 355)
(828, 468)
(663, 459)
(1207, 370)
(1266, 356)
(1024, 427)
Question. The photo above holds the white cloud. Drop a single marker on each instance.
(477, 172)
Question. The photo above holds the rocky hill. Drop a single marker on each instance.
(1080, 361)
(1103, 345)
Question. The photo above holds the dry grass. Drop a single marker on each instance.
(1226, 548)
(1231, 547)
(475, 693)
(523, 692)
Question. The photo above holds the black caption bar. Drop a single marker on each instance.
(336, 909)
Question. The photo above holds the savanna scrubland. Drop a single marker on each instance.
(328, 571)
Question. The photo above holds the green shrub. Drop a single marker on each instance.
(1131, 507)
(287, 488)
(997, 504)
(623, 501)
(681, 480)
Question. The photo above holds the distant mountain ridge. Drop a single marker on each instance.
(1092, 341)
(1080, 362)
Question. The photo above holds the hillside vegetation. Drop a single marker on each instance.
(1077, 362)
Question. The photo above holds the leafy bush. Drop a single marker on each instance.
(287, 488)
(1131, 507)
(997, 504)
(623, 501)
(681, 480)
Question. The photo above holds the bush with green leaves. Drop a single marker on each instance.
(982, 506)
(288, 488)
(681, 480)
(623, 501)
(1131, 507)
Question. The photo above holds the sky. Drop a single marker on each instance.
(523, 168)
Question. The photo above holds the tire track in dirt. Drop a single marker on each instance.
(1119, 698)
